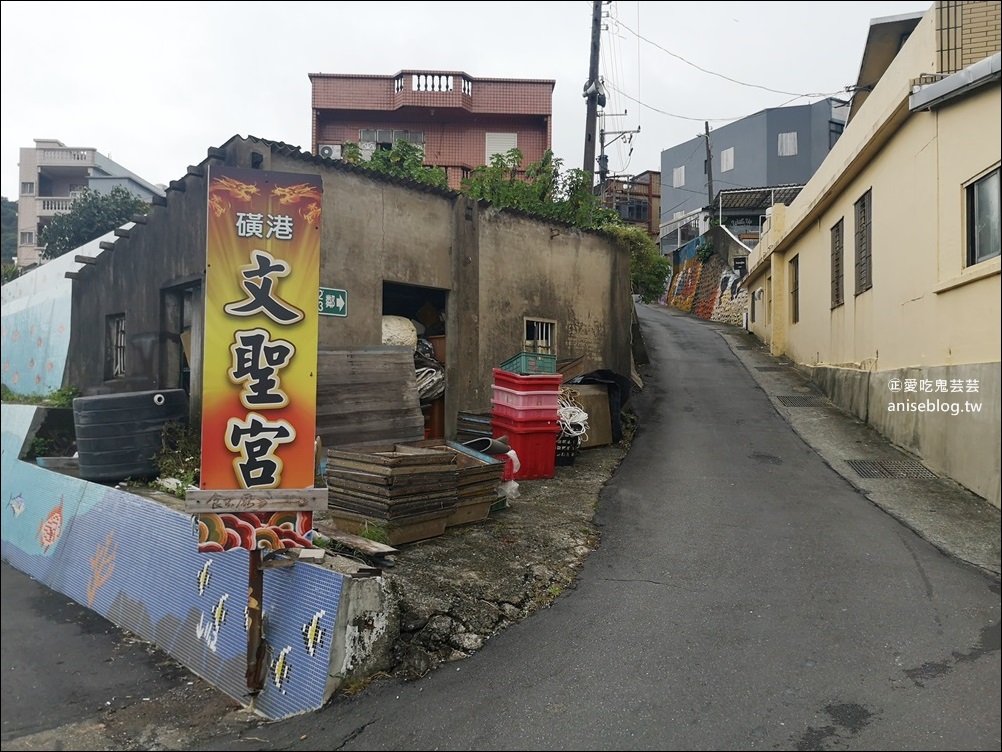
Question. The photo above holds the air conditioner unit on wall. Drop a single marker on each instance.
(329, 151)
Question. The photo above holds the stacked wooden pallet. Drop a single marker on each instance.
(478, 476)
(409, 491)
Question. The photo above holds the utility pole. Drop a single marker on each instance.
(603, 160)
(709, 166)
(591, 90)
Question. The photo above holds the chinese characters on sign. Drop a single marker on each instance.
(928, 385)
(332, 302)
(260, 357)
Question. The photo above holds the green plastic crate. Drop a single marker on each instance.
(530, 362)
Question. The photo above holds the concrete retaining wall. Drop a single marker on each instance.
(949, 416)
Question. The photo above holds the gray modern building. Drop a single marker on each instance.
(775, 147)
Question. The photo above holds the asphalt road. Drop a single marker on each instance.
(67, 670)
(744, 596)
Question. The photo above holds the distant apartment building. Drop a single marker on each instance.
(636, 198)
(459, 121)
(53, 175)
(776, 147)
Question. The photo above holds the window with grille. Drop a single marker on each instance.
(795, 289)
(838, 249)
(983, 219)
(539, 335)
(864, 243)
(27, 238)
(115, 346)
(27, 189)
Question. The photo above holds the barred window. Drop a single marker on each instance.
(795, 289)
(114, 358)
(539, 335)
(838, 250)
(864, 243)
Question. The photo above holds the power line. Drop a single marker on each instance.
(672, 114)
(714, 73)
(716, 120)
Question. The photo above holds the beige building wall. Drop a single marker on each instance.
(926, 306)
(929, 315)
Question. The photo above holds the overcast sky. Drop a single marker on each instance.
(153, 85)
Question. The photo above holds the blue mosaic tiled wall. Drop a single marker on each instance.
(35, 333)
(100, 545)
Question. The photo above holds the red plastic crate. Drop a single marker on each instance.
(536, 449)
(508, 412)
(522, 424)
(522, 405)
(527, 398)
(530, 382)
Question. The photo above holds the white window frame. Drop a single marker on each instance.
(727, 160)
(27, 237)
(27, 188)
(499, 143)
(787, 144)
(981, 235)
(678, 177)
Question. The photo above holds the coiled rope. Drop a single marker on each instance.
(571, 416)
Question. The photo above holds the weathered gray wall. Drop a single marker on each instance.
(579, 280)
(496, 267)
(374, 232)
(167, 251)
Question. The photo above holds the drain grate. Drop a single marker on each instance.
(802, 400)
(771, 368)
(890, 469)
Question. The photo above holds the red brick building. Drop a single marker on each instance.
(459, 120)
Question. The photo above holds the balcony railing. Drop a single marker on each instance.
(51, 205)
(78, 157)
(431, 82)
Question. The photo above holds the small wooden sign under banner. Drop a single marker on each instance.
(197, 500)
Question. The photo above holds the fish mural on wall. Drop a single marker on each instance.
(281, 668)
(16, 505)
(204, 577)
(313, 633)
(51, 527)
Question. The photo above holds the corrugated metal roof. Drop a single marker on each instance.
(757, 198)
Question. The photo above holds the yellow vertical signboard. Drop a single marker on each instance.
(260, 358)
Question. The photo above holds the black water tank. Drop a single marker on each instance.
(118, 435)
